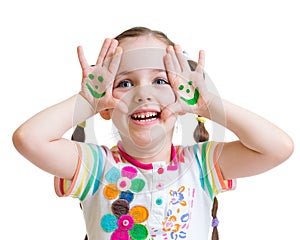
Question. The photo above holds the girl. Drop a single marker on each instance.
(146, 188)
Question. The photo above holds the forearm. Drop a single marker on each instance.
(253, 131)
(52, 123)
(40, 139)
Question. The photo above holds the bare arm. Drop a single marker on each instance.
(40, 139)
(260, 146)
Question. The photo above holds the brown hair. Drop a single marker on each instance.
(142, 31)
(200, 133)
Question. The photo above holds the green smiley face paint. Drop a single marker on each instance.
(94, 93)
(193, 100)
(100, 79)
(91, 76)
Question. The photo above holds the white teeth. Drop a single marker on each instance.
(147, 116)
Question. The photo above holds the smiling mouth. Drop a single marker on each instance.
(145, 116)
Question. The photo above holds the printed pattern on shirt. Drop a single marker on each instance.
(86, 180)
(211, 178)
(121, 186)
(179, 213)
(124, 221)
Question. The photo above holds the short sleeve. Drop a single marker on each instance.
(88, 173)
(211, 178)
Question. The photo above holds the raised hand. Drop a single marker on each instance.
(97, 80)
(189, 86)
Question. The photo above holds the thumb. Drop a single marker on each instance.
(172, 110)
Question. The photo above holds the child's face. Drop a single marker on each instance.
(143, 93)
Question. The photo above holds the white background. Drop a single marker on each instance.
(252, 56)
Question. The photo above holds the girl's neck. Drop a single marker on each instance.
(159, 153)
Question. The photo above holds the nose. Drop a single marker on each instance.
(141, 99)
(143, 95)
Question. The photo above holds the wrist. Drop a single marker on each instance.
(213, 108)
(82, 109)
(203, 108)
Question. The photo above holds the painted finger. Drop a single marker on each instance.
(171, 73)
(82, 60)
(115, 62)
(201, 61)
(110, 53)
(113, 102)
(109, 102)
(171, 110)
(176, 65)
(103, 51)
(113, 68)
(182, 59)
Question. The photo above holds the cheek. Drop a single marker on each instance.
(125, 98)
(119, 118)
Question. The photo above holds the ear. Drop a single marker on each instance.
(105, 114)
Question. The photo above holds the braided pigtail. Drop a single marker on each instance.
(79, 134)
(201, 135)
(215, 221)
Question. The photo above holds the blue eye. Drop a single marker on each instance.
(160, 81)
(125, 84)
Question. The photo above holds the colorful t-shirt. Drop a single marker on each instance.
(125, 199)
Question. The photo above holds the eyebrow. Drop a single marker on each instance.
(152, 69)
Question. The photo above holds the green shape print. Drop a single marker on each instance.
(193, 100)
(94, 93)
